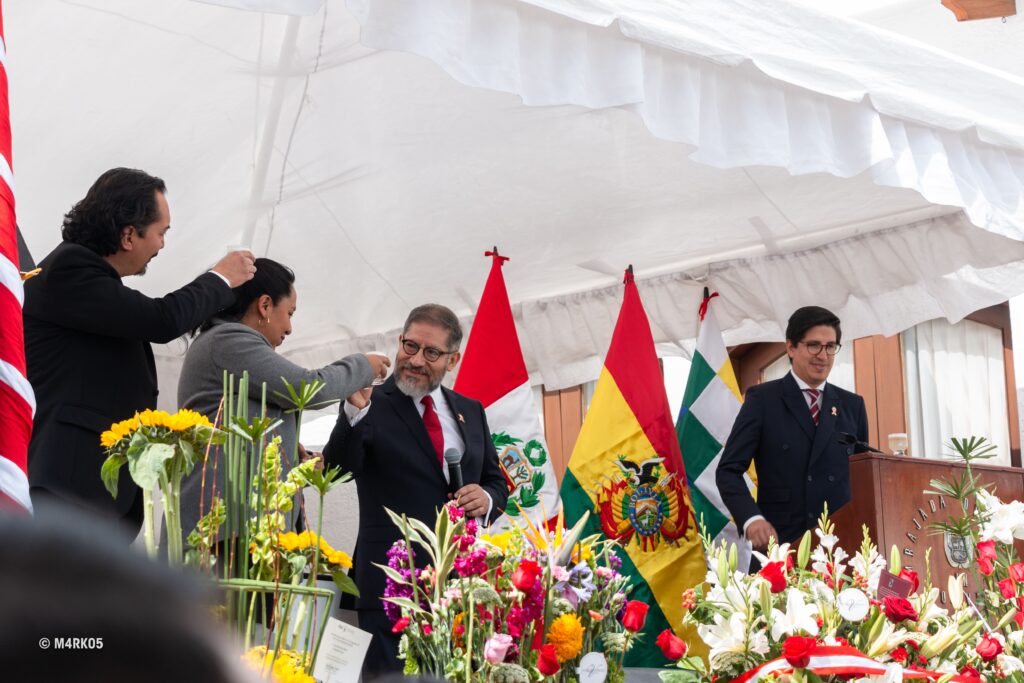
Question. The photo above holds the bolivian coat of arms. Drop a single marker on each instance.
(644, 501)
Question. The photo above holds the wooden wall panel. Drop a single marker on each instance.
(563, 417)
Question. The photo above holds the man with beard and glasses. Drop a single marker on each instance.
(392, 439)
(87, 337)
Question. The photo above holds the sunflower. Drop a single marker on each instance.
(566, 634)
(118, 431)
(185, 419)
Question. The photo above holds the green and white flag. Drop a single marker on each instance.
(711, 403)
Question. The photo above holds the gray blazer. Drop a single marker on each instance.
(235, 347)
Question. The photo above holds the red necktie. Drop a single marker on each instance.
(433, 425)
(815, 410)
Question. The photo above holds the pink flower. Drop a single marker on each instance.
(497, 647)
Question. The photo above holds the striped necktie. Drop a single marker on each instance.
(815, 409)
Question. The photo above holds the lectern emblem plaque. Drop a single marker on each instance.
(958, 550)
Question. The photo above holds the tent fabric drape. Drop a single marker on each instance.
(819, 162)
(742, 85)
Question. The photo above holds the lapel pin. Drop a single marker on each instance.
(835, 411)
(462, 419)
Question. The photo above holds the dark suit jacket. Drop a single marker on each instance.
(800, 467)
(395, 466)
(89, 361)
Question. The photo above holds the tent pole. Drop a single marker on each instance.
(259, 174)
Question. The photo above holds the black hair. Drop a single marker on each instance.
(803, 319)
(271, 278)
(119, 198)
(441, 316)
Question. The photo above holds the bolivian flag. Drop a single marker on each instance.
(626, 469)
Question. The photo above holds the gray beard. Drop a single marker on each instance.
(415, 392)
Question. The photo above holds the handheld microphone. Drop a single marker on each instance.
(454, 461)
(851, 440)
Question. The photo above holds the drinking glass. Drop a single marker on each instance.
(898, 443)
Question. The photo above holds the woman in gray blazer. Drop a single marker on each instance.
(244, 337)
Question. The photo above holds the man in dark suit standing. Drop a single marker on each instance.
(87, 336)
(393, 440)
(791, 429)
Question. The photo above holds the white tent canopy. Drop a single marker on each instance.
(780, 156)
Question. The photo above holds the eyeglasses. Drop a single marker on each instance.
(411, 348)
(815, 347)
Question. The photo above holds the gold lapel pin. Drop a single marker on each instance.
(835, 411)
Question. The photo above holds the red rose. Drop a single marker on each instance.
(672, 646)
(775, 574)
(898, 609)
(1016, 571)
(970, 672)
(911, 576)
(985, 566)
(635, 616)
(400, 625)
(547, 662)
(797, 650)
(525, 575)
(989, 647)
(1008, 588)
(987, 549)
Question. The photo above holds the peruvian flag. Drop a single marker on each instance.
(17, 402)
(494, 373)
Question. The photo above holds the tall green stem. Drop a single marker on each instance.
(148, 523)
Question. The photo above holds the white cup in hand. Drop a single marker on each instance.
(377, 381)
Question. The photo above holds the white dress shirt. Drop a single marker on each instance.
(449, 428)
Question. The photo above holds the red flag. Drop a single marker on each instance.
(494, 373)
(17, 403)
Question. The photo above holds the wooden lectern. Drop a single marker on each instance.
(889, 497)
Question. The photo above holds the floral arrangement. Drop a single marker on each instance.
(268, 574)
(518, 606)
(816, 613)
(160, 449)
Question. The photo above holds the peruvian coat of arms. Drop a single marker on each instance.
(522, 468)
(644, 501)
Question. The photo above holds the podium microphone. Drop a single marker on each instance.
(454, 461)
(848, 440)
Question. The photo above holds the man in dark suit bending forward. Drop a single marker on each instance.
(791, 429)
(393, 440)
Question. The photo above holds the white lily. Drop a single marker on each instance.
(869, 569)
(1008, 664)
(778, 554)
(827, 541)
(927, 606)
(725, 636)
(1003, 521)
(799, 616)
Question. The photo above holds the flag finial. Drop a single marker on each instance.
(708, 296)
(496, 256)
